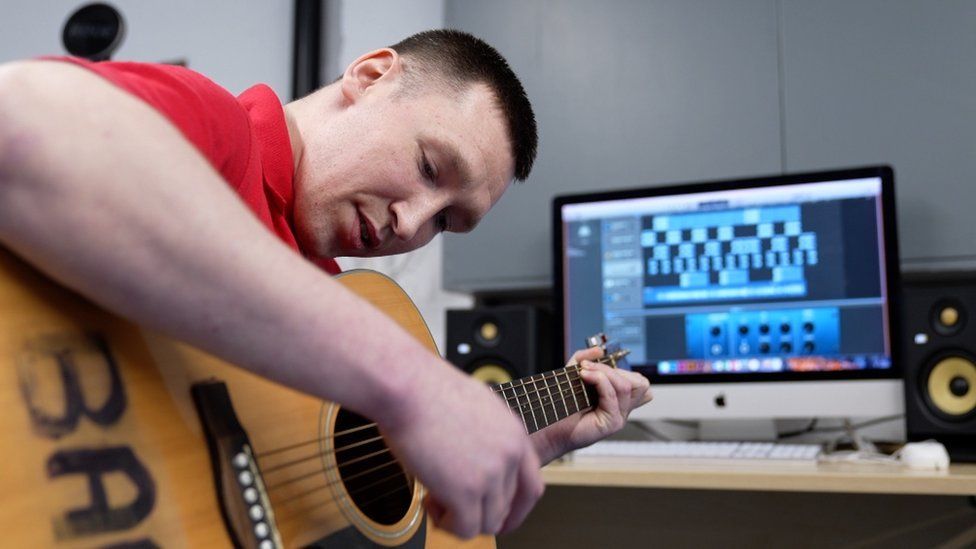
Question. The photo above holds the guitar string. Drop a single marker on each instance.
(324, 469)
(277, 487)
(298, 461)
(497, 389)
(286, 464)
(384, 496)
(563, 385)
(544, 379)
(529, 406)
(282, 503)
(542, 396)
(548, 400)
(287, 499)
(293, 497)
(544, 400)
(293, 514)
(313, 441)
(301, 512)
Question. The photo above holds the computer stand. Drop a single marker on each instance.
(737, 429)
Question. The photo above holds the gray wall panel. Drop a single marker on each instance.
(890, 82)
(627, 93)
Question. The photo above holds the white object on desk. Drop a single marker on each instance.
(925, 456)
(704, 451)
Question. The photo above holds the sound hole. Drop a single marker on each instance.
(374, 480)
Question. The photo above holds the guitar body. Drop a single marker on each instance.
(104, 444)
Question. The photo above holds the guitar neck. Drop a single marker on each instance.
(544, 399)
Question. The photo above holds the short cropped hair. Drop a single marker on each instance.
(457, 59)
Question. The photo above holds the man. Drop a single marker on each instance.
(114, 180)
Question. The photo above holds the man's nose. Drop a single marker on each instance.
(413, 215)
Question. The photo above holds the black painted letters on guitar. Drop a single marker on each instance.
(56, 364)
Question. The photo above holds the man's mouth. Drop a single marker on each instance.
(364, 234)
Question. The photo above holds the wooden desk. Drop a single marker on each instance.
(629, 503)
(830, 477)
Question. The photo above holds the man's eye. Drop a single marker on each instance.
(427, 169)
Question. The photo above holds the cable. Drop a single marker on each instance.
(864, 450)
(655, 434)
(808, 429)
(680, 423)
(861, 425)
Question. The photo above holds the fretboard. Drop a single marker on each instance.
(544, 399)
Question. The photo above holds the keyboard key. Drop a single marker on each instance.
(678, 451)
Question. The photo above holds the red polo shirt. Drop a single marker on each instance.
(244, 138)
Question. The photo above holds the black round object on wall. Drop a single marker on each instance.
(94, 32)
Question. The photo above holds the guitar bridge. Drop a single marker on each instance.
(241, 494)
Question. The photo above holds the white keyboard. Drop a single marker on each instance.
(694, 451)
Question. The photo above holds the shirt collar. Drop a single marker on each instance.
(277, 163)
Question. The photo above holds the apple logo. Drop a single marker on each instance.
(720, 400)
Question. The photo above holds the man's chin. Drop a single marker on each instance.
(352, 251)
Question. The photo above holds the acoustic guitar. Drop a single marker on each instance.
(116, 437)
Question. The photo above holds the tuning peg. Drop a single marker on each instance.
(598, 340)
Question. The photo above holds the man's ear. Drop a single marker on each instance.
(377, 66)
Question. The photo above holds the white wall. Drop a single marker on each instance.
(357, 27)
(237, 43)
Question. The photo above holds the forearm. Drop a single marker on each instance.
(151, 232)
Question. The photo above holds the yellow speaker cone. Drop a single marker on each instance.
(489, 331)
(939, 386)
(491, 374)
(949, 316)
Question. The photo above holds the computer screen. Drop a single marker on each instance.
(771, 279)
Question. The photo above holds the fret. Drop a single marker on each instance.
(525, 397)
(518, 406)
(552, 400)
(553, 383)
(562, 394)
(572, 391)
(545, 418)
(585, 394)
(527, 408)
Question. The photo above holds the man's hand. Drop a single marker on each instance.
(470, 452)
(620, 391)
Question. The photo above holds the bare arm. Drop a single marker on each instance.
(103, 194)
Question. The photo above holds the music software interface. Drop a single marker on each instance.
(761, 280)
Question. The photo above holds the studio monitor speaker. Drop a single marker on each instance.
(499, 344)
(939, 352)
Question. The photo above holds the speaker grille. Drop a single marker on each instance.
(939, 352)
(499, 344)
(490, 372)
(950, 388)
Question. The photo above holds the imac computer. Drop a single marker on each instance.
(752, 299)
